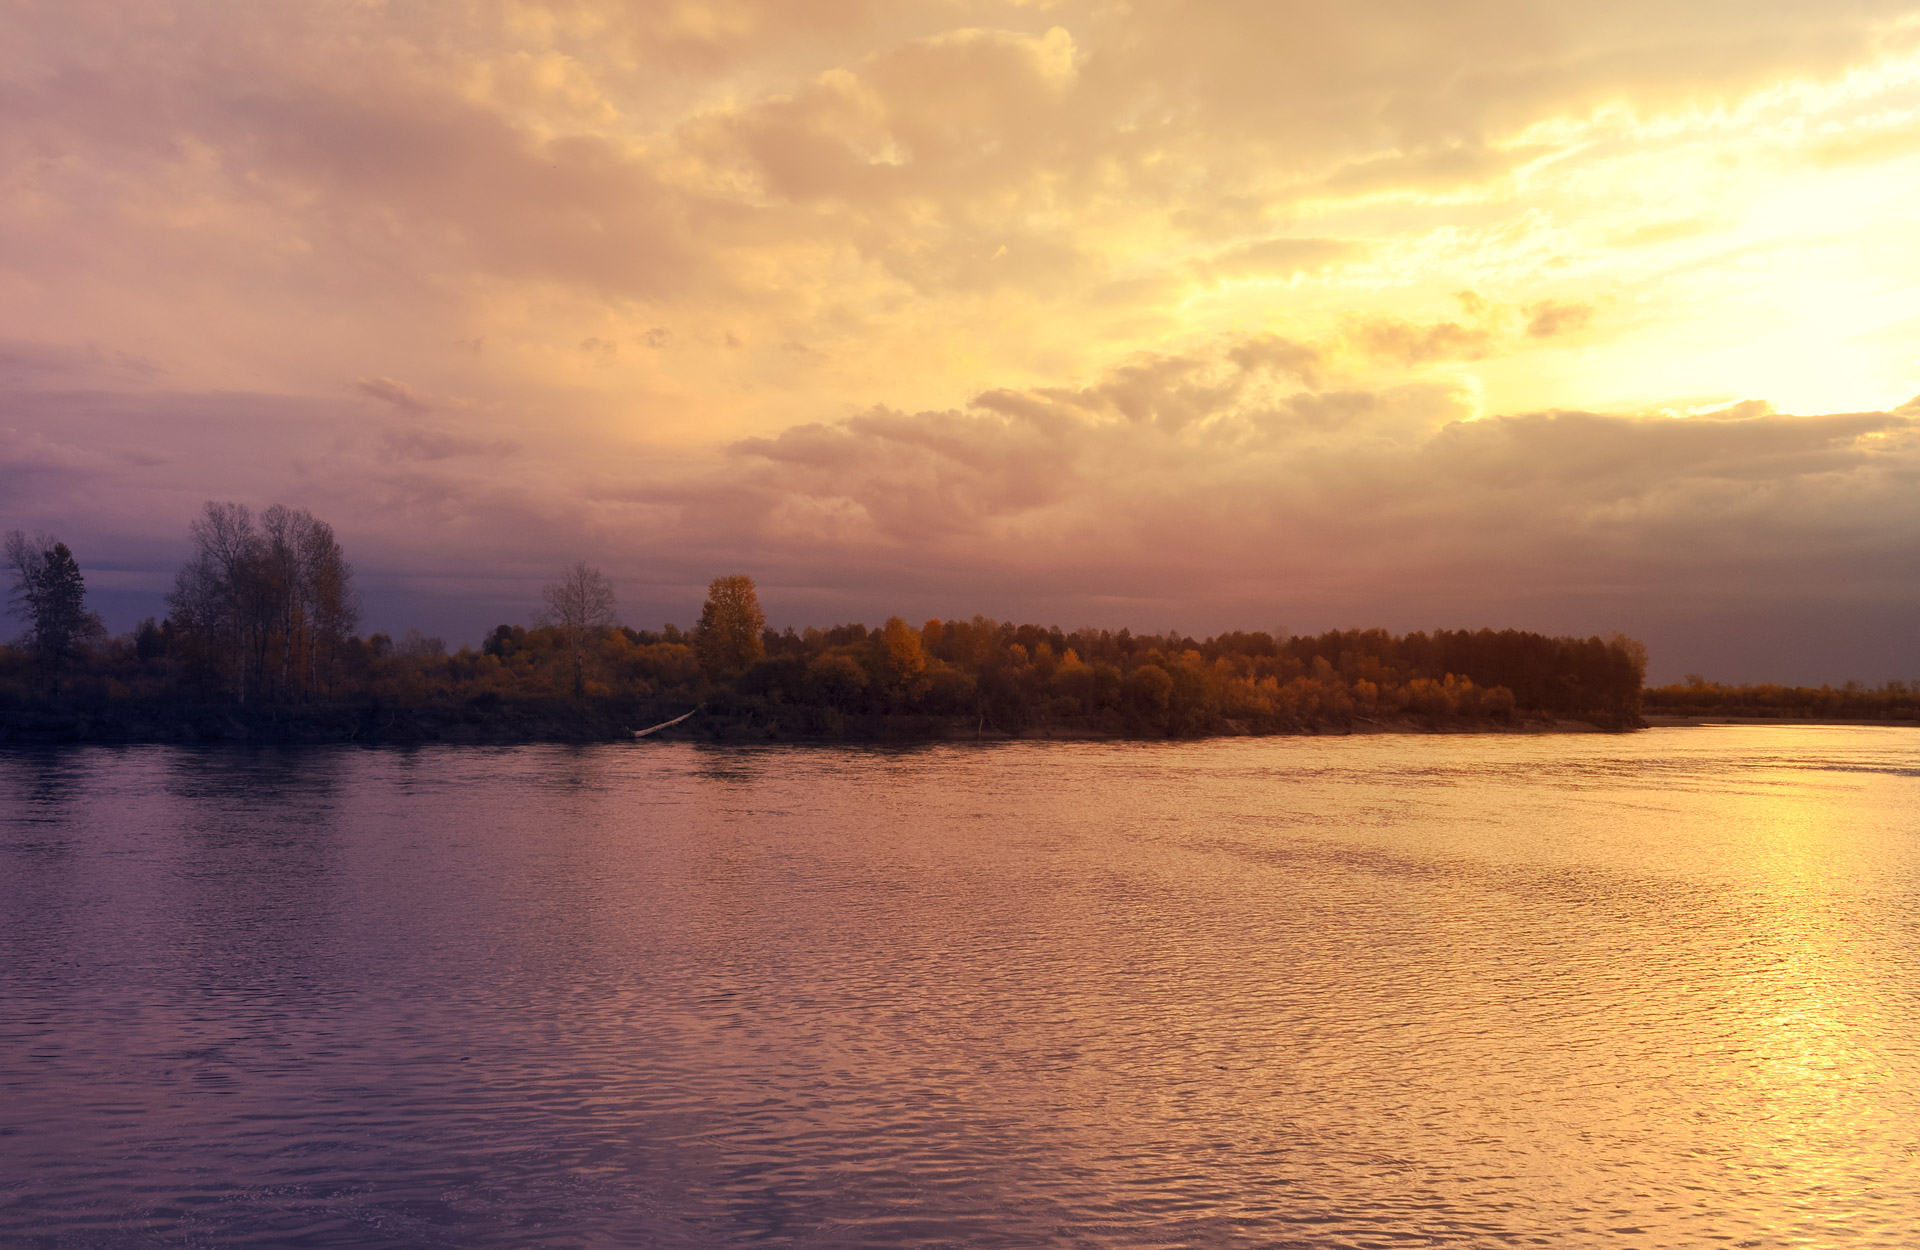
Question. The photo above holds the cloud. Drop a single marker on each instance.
(1437, 170)
(428, 445)
(963, 113)
(26, 362)
(398, 394)
(1277, 258)
(1040, 186)
(1868, 144)
(464, 184)
(1552, 317)
(1281, 356)
(1412, 344)
(1178, 468)
(1224, 486)
(682, 36)
(1067, 303)
(1653, 233)
(1486, 330)
(34, 467)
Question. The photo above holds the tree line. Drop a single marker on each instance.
(262, 622)
(1694, 695)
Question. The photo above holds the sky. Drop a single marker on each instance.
(1249, 314)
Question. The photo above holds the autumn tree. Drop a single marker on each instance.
(727, 639)
(580, 607)
(49, 592)
(905, 652)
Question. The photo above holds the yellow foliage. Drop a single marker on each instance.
(906, 655)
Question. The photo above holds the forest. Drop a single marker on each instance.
(1695, 696)
(261, 641)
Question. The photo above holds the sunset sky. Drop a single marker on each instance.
(1571, 317)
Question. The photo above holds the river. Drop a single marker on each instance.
(1658, 989)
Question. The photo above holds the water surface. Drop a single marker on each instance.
(1660, 989)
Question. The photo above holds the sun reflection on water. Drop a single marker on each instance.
(1644, 990)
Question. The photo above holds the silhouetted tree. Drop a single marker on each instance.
(49, 592)
(215, 597)
(149, 640)
(310, 596)
(836, 680)
(419, 645)
(504, 641)
(727, 639)
(268, 607)
(264, 610)
(580, 607)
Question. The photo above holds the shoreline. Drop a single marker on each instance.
(1670, 720)
(617, 720)
(14, 740)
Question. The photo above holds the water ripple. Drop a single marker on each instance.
(1376, 991)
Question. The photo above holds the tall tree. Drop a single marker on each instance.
(906, 653)
(727, 638)
(310, 600)
(211, 603)
(581, 607)
(50, 593)
(268, 605)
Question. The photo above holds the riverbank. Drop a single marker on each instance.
(616, 719)
(1657, 720)
(128, 723)
(947, 680)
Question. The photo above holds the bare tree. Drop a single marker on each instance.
(313, 608)
(581, 607)
(268, 605)
(213, 601)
